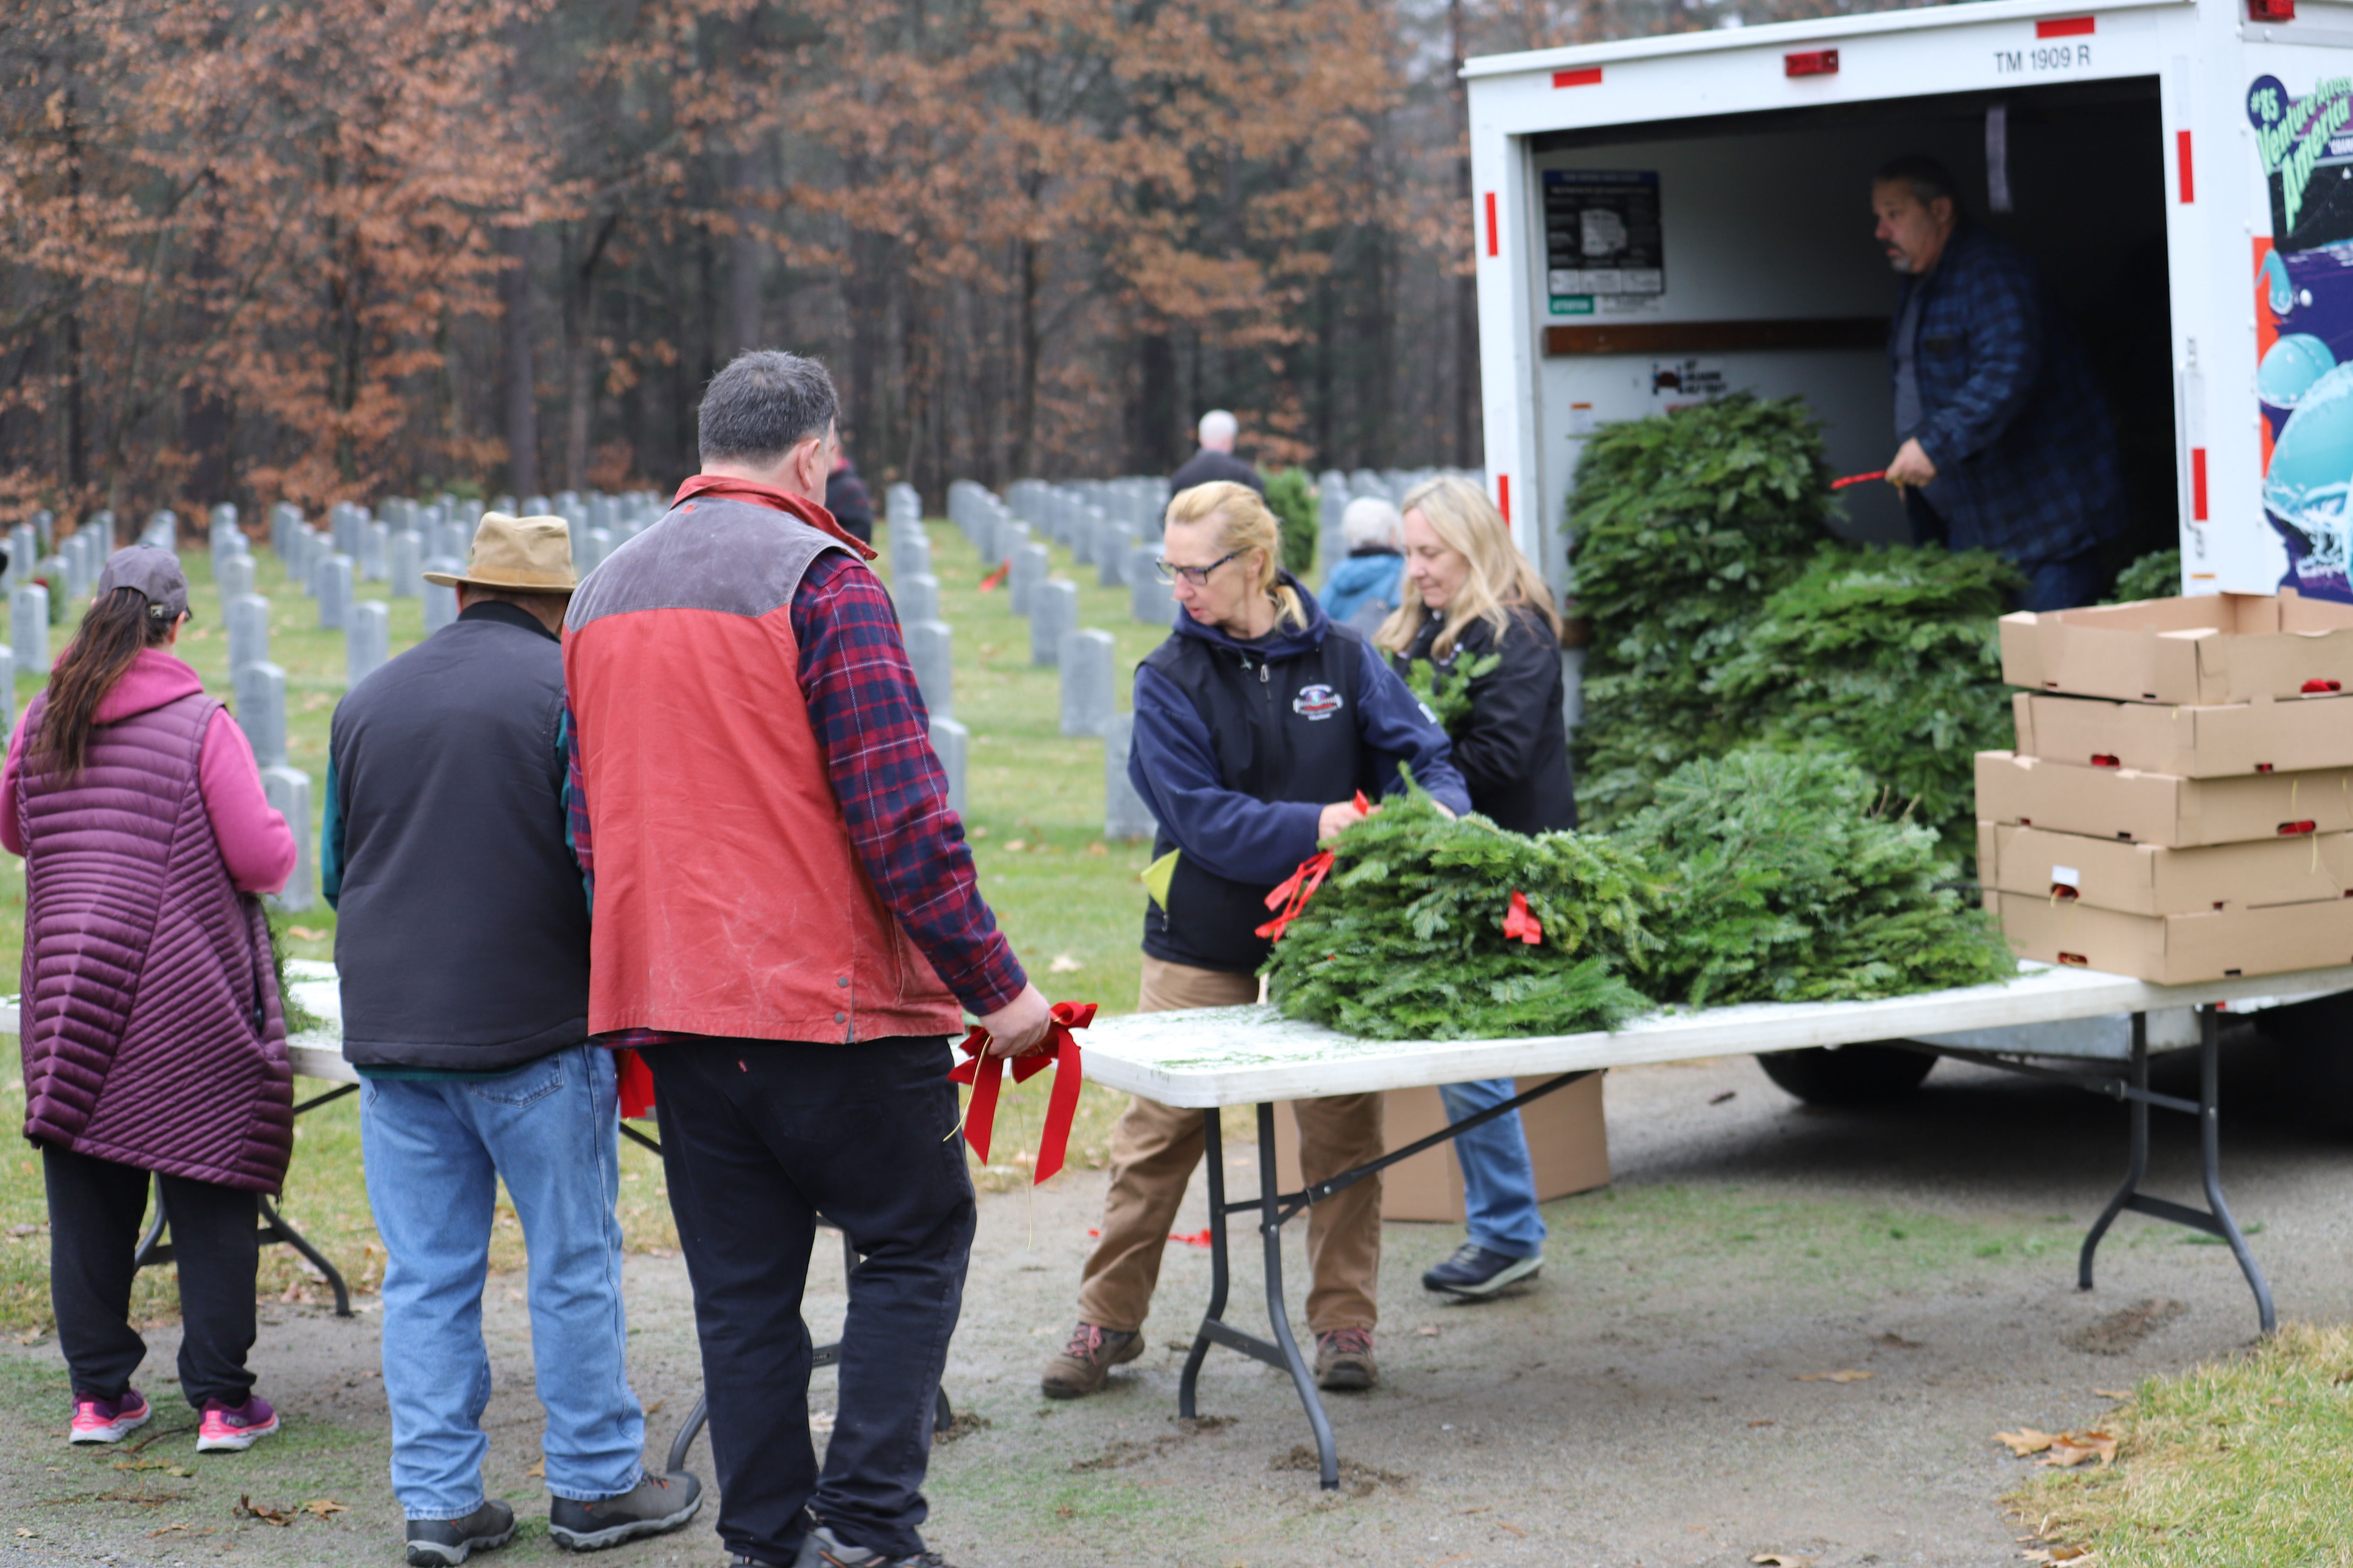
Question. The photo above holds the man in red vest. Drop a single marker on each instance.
(785, 920)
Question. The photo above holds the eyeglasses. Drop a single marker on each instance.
(1196, 575)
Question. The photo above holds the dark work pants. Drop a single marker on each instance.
(96, 1210)
(759, 1139)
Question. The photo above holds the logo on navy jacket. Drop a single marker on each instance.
(1317, 701)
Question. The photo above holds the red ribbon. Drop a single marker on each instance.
(1290, 894)
(637, 1084)
(989, 583)
(1518, 923)
(985, 1073)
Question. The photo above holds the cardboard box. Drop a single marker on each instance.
(2216, 648)
(2179, 950)
(2149, 880)
(1567, 1139)
(2264, 736)
(2160, 808)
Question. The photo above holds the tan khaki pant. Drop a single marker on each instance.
(1155, 1147)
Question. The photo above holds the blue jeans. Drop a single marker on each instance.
(434, 1152)
(1499, 1180)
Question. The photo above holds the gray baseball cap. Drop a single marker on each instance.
(154, 573)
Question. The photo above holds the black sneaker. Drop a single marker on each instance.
(439, 1542)
(1474, 1273)
(823, 1549)
(655, 1506)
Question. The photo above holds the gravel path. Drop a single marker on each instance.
(1648, 1402)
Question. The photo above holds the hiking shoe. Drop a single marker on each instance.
(230, 1427)
(1343, 1361)
(655, 1506)
(108, 1420)
(824, 1548)
(1474, 1273)
(1088, 1359)
(442, 1542)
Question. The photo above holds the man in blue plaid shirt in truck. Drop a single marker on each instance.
(2004, 441)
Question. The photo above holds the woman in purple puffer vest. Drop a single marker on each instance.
(153, 1044)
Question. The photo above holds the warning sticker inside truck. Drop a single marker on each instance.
(1601, 237)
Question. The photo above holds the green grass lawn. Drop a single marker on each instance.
(1071, 903)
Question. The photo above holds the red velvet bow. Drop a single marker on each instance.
(986, 1075)
(1290, 894)
(1518, 923)
(637, 1084)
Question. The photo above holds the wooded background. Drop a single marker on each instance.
(330, 249)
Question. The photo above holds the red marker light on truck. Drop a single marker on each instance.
(1810, 62)
(2066, 28)
(1589, 76)
(2271, 10)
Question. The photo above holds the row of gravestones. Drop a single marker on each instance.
(1085, 659)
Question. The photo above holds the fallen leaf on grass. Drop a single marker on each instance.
(1427, 1330)
(245, 1508)
(655, 1408)
(305, 933)
(538, 1469)
(1097, 849)
(1720, 1098)
(1849, 1375)
(1765, 1422)
(2077, 1447)
(321, 1507)
(1782, 1560)
(2123, 1393)
(1064, 964)
(2026, 1440)
(1895, 1341)
(1015, 846)
(2079, 1554)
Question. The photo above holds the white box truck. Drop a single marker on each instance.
(1666, 219)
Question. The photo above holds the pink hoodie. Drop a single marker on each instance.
(255, 842)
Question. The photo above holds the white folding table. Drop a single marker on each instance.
(1213, 1057)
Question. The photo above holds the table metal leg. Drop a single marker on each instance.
(2215, 1219)
(2137, 1165)
(1270, 1226)
(1214, 1151)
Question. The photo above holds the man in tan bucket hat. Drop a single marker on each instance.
(463, 951)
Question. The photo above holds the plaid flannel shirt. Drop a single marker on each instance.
(2025, 454)
(872, 726)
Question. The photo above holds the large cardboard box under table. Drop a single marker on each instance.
(1566, 1140)
(2160, 808)
(2264, 736)
(2216, 647)
(2178, 950)
(2149, 880)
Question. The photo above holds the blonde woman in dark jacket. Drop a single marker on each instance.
(1478, 609)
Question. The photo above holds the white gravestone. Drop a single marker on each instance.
(234, 576)
(261, 691)
(950, 739)
(1053, 611)
(1124, 814)
(288, 791)
(1150, 600)
(408, 564)
(248, 631)
(440, 603)
(930, 650)
(918, 598)
(1086, 659)
(367, 641)
(1030, 565)
(28, 629)
(334, 580)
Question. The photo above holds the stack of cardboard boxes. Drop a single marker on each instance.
(2179, 807)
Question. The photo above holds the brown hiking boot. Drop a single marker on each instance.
(1343, 1361)
(1088, 1359)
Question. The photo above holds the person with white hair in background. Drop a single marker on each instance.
(1216, 460)
(1362, 590)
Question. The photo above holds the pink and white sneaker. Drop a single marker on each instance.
(108, 1420)
(229, 1428)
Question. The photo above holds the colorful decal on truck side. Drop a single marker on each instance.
(2303, 326)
